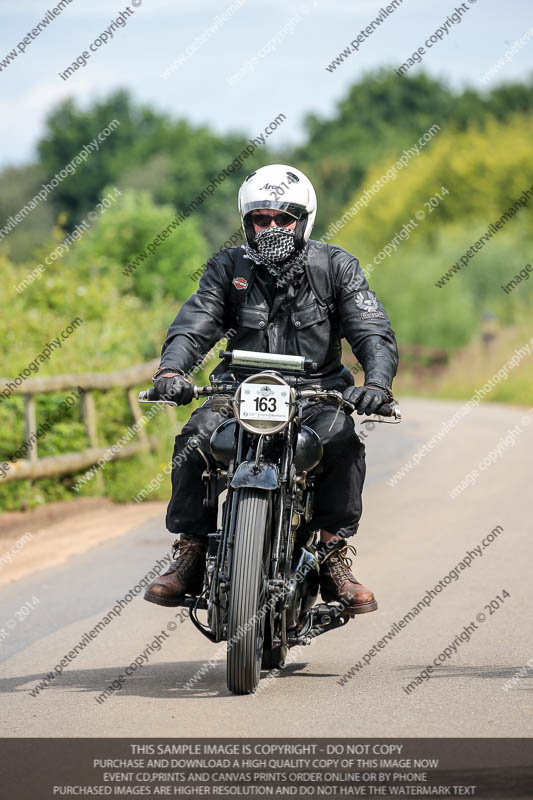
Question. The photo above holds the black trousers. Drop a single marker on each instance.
(338, 503)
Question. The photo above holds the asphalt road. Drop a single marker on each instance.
(412, 535)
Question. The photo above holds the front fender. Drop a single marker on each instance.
(263, 476)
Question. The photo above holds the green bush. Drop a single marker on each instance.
(124, 320)
(484, 171)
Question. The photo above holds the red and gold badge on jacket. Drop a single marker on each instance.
(240, 283)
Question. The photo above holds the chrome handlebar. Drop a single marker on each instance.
(388, 413)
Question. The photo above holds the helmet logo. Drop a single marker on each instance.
(240, 283)
(268, 186)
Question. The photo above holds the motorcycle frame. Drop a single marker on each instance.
(286, 487)
(280, 481)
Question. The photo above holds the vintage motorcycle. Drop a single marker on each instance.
(261, 580)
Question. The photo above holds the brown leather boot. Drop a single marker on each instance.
(184, 576)
(338, 584)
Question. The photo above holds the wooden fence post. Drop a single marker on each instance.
(88, 410)
(31, 427)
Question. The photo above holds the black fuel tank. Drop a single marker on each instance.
(222, 442)
(308, 450)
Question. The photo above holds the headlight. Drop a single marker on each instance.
(264, 403)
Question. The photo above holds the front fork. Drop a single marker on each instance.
(288, 515)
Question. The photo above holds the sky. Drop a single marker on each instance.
(210, 47)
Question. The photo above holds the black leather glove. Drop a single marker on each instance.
(173, 386)
(367, 399)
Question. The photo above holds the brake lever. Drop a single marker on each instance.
(152, 396)
(394, 418)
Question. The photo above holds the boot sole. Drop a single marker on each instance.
(169, 602)
(350, 611)
(364, 608)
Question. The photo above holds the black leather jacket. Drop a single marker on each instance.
(299, 326)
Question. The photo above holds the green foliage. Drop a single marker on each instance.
(66, 434)
(160, 165)
(382, 115)
(148, 150)
(18, 186)
(124, 232)
(124, 317)
(70, 128)
(484, 171)
(476, 364)
(124, 321)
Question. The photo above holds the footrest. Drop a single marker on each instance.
(191, 602)
(320, 619)
(324, 610)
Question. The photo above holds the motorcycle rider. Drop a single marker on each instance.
(278, 309)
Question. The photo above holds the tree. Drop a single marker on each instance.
(135, 236)
(381, 116)
(148, 150)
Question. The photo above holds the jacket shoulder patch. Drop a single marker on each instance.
(240, 283)
(368, 304)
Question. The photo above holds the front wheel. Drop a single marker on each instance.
(249, 576)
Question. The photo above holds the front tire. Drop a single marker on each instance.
(249, 576)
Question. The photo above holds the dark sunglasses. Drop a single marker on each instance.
(263, 220)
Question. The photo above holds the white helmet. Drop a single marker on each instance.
(281, 187)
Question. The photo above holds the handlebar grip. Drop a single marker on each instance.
(386, 410)
(310, 365)
(152, 395)
(149, 395)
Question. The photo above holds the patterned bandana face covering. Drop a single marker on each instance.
(277, 253)
(275, 244)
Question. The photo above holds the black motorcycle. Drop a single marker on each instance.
(261, 580)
